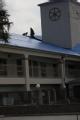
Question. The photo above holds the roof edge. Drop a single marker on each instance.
(47, 3)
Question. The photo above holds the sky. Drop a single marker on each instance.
(24, 14)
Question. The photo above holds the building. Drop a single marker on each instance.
(47, 71)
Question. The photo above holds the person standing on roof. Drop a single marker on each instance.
(32, 33)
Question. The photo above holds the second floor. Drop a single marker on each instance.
(38, 67)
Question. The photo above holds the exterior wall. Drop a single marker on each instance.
(55, 117)
(47, 85)
(56, 32)
(65, 31)
(27, 80)
(75, 23)
(13, 79)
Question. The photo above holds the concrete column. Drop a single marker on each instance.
(27, 73)
(63, 71)
(63, 77)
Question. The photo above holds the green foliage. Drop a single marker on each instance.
(4, 24)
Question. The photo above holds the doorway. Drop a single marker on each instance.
(48, 96)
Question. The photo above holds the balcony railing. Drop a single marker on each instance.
(47, 72)
(11, 70)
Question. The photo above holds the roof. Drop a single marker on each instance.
(77, 48)
(47, 3)
(27, 42)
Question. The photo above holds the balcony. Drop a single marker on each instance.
(46, 72)
(12, 80)
(12, 74)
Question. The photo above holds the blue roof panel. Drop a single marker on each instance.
(76, 48)
(27, 42)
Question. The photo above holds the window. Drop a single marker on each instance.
(55, 70)
(33, 68)
(43, 69)
(37, 69)
(30, 68)
(73, 69)
(19, 67)
(3, 67)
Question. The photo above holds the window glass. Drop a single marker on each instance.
(43, 69)
(35, 69)
(55, 70)
(3, 67)
(73, 69)
(19, 67)
(30, 68)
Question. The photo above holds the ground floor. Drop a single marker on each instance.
(40, 94)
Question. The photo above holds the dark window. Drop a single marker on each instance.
(55, 70)
(33, 68)
(43, 69)
(3, 67)
(30, 68)
(45, 97)
(19, 67)
(76, 90)
(73, 69)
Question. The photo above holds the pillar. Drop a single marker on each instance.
(63, 72)
(27, 73)
(63, 77)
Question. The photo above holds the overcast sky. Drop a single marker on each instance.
(24, 14)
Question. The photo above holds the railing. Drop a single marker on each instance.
(47, 72)
(3, 70)
(11, 70)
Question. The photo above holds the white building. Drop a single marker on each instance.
(47, 71)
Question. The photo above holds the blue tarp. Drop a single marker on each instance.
(27, 42)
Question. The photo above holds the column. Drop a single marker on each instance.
(63, 72)
(27, 73)
(63, 77)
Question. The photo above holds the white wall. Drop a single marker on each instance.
(56, 32)
(75, 23)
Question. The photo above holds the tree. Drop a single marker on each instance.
(4, 23)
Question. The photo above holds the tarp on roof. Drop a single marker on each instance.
(27, 42)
